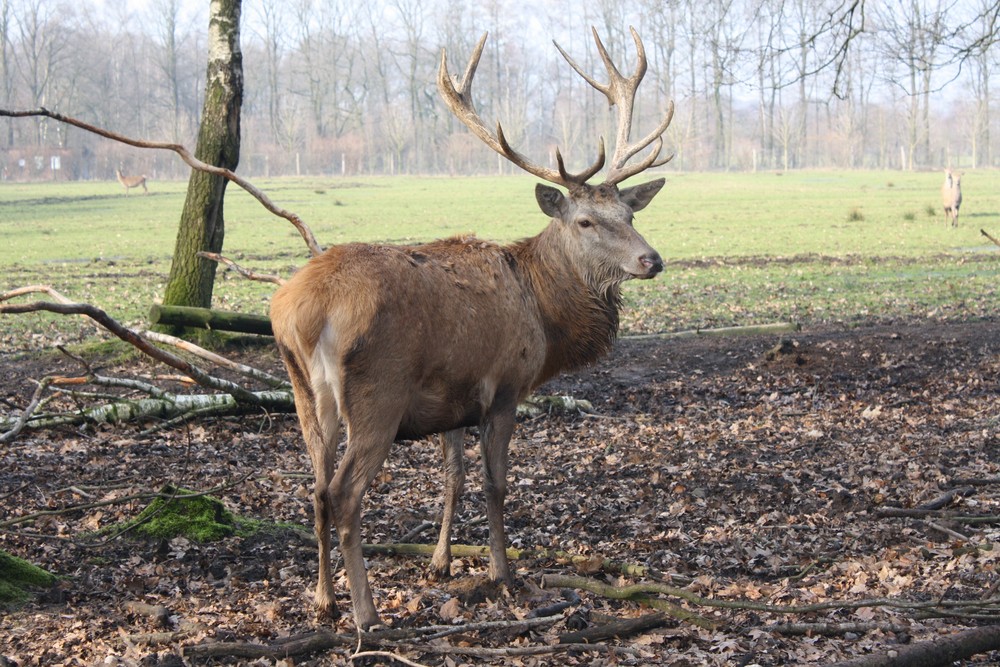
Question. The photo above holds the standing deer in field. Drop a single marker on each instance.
(130, 182)
(951, 195)
(399, 342)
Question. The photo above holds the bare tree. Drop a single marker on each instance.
(271, 33)
(912, 39)
(175, 67)
(983, 62)
(7, 65)
(40, 52)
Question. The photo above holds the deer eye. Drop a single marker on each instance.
(585, 222)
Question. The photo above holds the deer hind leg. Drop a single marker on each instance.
(495, 433)
(321, 440)
(454, 483)
(320, 423)
(367, 448)
(145, 191)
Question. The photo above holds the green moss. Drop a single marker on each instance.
(18, 577)
(198, 518)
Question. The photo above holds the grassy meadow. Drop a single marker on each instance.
(816, 247)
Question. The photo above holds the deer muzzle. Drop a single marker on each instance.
(651, 264)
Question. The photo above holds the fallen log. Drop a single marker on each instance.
(938, 652)
(619, 629)
(748, 330)
(207, 318)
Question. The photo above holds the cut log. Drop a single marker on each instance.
(207, 318)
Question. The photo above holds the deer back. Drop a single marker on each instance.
(441, 328)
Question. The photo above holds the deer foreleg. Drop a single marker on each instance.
(454, 482)
(495, 435)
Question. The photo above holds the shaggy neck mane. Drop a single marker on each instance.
(581, 324)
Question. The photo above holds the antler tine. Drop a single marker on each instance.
(606, 89)
(583, 176)
(619, 171)
(459, 101)
(620, 90)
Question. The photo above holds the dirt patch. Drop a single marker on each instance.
(748, 470)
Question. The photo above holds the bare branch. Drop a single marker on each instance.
(246, 273)
(188, 158)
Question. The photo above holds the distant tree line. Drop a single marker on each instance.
(347, 87)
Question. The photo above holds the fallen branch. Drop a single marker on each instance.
(536, 406)
(619, 629)
(641, 593)
(325, 640)
(188, 158)
(749, 330)
(171, 407)
(590, 563)
(936, 653)
(947, 498)
(913, 513)
(272, 381)
(234, 398)
(291, 647)
(834, 629)
(627, 593)
(134, 339)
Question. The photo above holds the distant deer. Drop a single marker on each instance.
(404, 341)
(131, 181)
(951, 195)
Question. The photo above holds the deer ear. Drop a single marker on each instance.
(637, 197)
(550, 200)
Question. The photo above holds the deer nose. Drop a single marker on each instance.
(652, 262)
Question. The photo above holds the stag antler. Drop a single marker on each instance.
(459, 100)
(621, 91)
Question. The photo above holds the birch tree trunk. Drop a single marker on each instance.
(202, 224)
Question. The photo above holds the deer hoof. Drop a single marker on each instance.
(327, 612)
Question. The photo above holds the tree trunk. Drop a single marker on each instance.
(201, 227)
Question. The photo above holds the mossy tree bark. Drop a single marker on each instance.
(202, 225)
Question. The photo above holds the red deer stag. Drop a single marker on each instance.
(129, 182)
(404, 341)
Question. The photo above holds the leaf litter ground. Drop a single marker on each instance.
(745, 470)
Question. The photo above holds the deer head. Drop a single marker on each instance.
(599, 216)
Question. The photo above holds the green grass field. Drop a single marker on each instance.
(816, 247)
